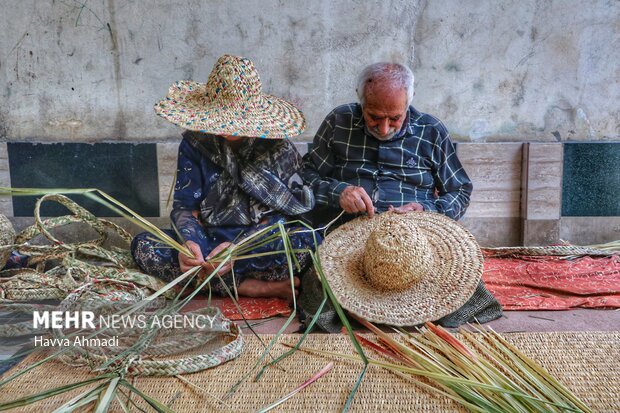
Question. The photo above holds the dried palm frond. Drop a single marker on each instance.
(299, 388)
(490, 375)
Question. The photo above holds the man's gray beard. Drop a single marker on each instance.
(382, 138)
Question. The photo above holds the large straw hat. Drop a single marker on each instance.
(231, 103)
(402, 269)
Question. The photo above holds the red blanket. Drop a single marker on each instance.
(550, 283)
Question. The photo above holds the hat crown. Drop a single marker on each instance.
(234, 81)
(397, 255)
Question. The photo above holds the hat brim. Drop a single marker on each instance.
(457, 271)
(270, 118)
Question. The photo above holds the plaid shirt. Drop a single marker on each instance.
(418, 165)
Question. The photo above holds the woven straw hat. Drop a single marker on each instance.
(402, 269)
(231, 103)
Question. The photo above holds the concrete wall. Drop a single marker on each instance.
(88, 71)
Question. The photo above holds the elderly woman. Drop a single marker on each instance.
(237, 173)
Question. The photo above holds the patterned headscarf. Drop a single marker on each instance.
(259, 179)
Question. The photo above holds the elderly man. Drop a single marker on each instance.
(382, 154)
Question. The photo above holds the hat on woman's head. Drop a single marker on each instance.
(231, 103)
(402, 269)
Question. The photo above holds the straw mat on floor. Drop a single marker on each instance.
(588, 363)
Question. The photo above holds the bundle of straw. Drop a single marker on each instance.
(489, 375)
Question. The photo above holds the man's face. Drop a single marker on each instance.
(385, 110)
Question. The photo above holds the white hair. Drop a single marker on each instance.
(392, 73)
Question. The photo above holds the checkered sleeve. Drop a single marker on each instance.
(453, 185)
(319, 165)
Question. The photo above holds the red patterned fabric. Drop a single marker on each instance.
(253, 308)
(550, 283)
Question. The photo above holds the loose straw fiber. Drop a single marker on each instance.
(588, 363)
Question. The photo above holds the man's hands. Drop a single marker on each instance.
(355, 199)
(410, 207)
(187, 263)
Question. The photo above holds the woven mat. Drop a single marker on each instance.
(589, 363)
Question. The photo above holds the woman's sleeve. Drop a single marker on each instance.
(187, 195)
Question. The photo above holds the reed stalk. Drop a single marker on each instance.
(491, 375)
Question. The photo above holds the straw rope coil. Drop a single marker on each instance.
(553, 250)
(139, 346)
(71, 268)
(7, 237)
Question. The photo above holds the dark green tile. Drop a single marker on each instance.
(591, 180)
(125, 171)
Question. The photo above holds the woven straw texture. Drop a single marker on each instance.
(588, 363)
(214, 343)
(7, 237)
(231, 103)
(451, 272)
(77, 259)
(554, 250)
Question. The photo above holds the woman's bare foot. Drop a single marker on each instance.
(257, 288)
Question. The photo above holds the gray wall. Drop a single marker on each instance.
(491, 70)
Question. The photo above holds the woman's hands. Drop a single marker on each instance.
(210, 267)
(186, 263)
